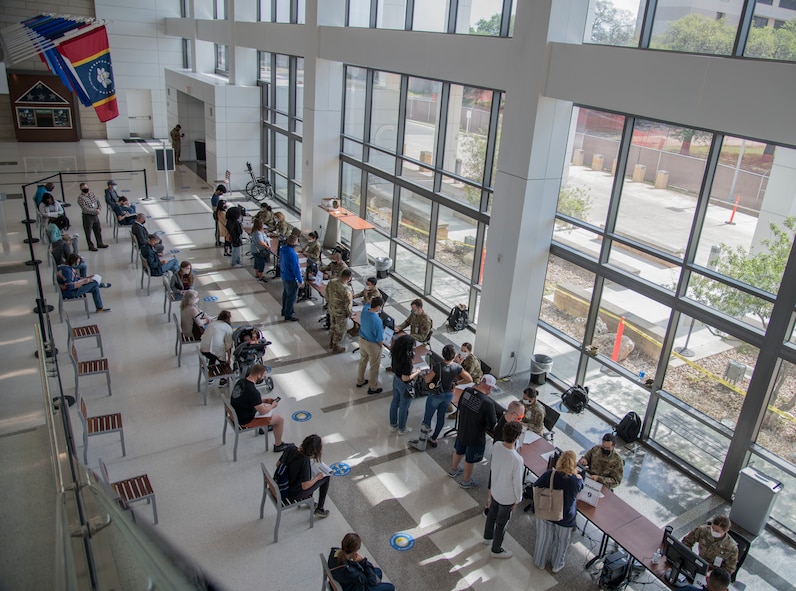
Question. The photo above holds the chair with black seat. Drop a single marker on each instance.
(271, 490)
(743, 549)
(550, 419)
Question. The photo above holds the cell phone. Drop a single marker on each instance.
(277, 399)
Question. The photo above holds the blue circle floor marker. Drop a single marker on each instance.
(210, 298)
(301, 416)
(340, 469)
(402, 542)
(174, 251)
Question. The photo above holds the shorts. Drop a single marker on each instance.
(472, 453)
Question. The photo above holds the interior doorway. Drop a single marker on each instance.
(139, 112)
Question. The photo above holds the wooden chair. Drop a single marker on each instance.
(231, 419)
(89, 331)
(99, 425)
(89, 368)
(181, 340)
(225, 181)
(62, 301)
(328, 580)
(211, 372)
(271, 490)
(134, 250)
(132, 490)
(145, 272)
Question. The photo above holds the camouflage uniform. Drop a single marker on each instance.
(334, 269)
(366, 294)
(312, 251)
(338, 298)
(710, 547)
(534, 417)
(266, 217)
(609, 468)
(419, 326)
(472, 365)
(283, 228)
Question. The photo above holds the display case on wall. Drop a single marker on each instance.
(43, 110)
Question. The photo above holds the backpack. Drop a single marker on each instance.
(615, 571)
(629, 428)
(576, 398)
(282, 479)
(458, 318)
(345, 254)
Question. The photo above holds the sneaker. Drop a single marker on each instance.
(362, 384)
(236, 266)
(104, 284)
(471, 484)
(227, 254)
(103, 309)
(558, 569)
(262, 280)
(321, 513)
(432, 442)
(487, 542)
(406, 431)
(223, 382)
(282, 447)
(292, 319)
(376, 391)
(102, 246)
(393, 428)
(455, 472)
(501, 553)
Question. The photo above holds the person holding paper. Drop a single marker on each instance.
(558, 533)
(72, 285)
(715, 544)
(301, 483)
(603, 463)
(534, 411)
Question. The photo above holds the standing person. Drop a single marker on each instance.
(371, 334)
(72, 285)
(603, 463)
(353, 571)
(476, 417)
(290, 271)
(111, 196)
(339, 298)
(90, 206)
(176, 142)
(253, 411)
(403, 353)
(534, 411)
(446, 374)
(514, 414)
(221, 226)
(260, 248)
(313, 253)
(507, 470)
(235, 232)
(214, 200)
(716, 546)
(558, 533)
(301, 483)
(216, 343)
(418, 321)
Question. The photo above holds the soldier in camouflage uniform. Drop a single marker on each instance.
(335, 267)
(534, 411)
(419, 322)
(470, 362)
(604, 464)
(370, 290)
(339, 296)
(714, 541)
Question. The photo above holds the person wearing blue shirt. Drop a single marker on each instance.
(40, 191)
(157, 266)
(290, 271)
(72, 285)
(371, 333)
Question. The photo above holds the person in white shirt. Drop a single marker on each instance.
(216, 342)
(507, 472)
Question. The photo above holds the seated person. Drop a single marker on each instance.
(281, 227)
(182, 280)
(192, 320)
(419, 324)
(603, 463)
(302, 484)
(142, 234)
(157, 265)
(534, 411)
(718, 580)
(216, 343)
(253, 411)
(72, 285)
(124, 211)
(265, 215)
(715, 544)
(61, 245)
(352, 570)
(111, 196)
(334, 268)
(51, 209)
(369, 292)
(470, 362)
(40, 191)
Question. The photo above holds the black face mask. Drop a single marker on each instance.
(85, 189)
(606, 452)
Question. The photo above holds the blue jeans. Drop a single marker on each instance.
(289, 291)
(91, 287)
(399, 407)
(235, 256)
(173, 265)
(437, 403)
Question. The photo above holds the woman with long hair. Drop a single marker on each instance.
(402, 351)
(192, 319)
(260, 248)
(558, 533)
(182, 280)
(301, 483)
(353, 571)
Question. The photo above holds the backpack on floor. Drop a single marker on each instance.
(345, 254)
(458, 318)
(629, 428)
(615, 572)
(576, 398)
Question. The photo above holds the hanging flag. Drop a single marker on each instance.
(86, 62)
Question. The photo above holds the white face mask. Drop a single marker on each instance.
(716, 534)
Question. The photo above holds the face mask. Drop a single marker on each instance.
(85, 189)
(716, 534)
(606, 452)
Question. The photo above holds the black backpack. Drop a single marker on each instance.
(345, 254)
(615, 572)
(282, 479)
(629, 428)
(458, 318)
(576, 398)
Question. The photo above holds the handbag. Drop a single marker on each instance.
(549, 502)
(410, 390)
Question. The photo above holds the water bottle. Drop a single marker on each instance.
(641, 375)
(656, 558)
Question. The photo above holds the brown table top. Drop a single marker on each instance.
(356, 223)
(338, 213)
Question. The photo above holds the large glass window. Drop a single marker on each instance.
(769, 41)
(456, 234)
(469, 111)
(391, 14)
(384, 113)
(698, 27)
(355, 87)
(422, 119)
(410, 266)
(221, 60)
(480, 17)
(359, 13)
(613, 22)
(414, 220)
(778, 430)
(380, 198)
(431, 15)
(567, 298)
(352, 187)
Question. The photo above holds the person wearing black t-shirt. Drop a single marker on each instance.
(476, 417)
(301, 483)
(253, 411)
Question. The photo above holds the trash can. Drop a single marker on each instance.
(754, 499)
(540, 366)
(383, 265)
